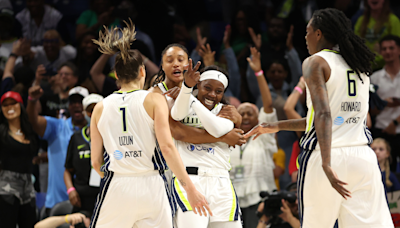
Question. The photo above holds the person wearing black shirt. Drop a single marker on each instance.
(18, 145)
(83, 189)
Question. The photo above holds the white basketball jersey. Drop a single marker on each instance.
(211, 155)
(128, 134)
(348, 101)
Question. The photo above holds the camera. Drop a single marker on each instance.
(273, 201)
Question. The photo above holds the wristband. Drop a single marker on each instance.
(13, 54)
(70, 190)
(395, 122)
(66, 219)
(31, 99)
(298, 89)
(259, 73)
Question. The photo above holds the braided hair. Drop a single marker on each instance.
(336, 28)
(161, 74)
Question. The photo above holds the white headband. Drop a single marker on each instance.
(216, 75)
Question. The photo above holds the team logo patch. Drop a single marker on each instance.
(190, 147)
(118, 155)
(338, 120)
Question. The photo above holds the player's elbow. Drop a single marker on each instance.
(167, 149)
(324, 115)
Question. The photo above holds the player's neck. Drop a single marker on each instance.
(393, 68)
(171, 84)
(134, 85)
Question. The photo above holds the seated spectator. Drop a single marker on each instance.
(19, 80)
(377, 22)
(18, 145)
(55, 103)
(382, 150)
(37, 18)
(73, 220)
(388, 82)
(252, 163)
(81, 180)
(52, 54)
(57, 132)
(92, 20)
(9, 31)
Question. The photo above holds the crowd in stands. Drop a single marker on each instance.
(53, 74)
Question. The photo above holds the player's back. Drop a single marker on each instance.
(348, 102)
(128, 134)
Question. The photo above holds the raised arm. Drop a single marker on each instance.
(233, 66)
(255, 65)
(157, 108)
(39, 123)
(316, 73)
(97, 71)
(292, 100)
(96, 144)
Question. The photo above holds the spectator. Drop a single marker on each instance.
(21, 79)
(55, 103)
(252, 163)
(18, 145)
(104, 84)
(9, 31)
(87, 54)
(377, 22)
(388, 80)
(36, 19)
(279, 159)
(58, 133)
(80, 178)
(101, 14)
(382, 150)
(57, 221)
(52, 54)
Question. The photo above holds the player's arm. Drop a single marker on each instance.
(283, 125)
(316, 73)
(157, 108)
(96, 147)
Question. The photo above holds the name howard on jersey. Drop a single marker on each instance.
(350, 107)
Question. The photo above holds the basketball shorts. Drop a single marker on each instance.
(133, 201)
(320, 204)
(218, 190)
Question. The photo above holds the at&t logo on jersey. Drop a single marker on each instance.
(192, 147)
(118, 155)
(338, 120)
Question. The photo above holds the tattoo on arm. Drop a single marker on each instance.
(182, 182)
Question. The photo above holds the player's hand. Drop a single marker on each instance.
(198, 202)
(337, 184)
(262, 129)
(74, 198)
(173, 93)
(230, 112)
(192, 76)
(76, 218)
(35, 92)
(234, 137)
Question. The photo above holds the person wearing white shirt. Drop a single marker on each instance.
(388, 79)
(252, 164)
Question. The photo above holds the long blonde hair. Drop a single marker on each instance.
(383, 18)
(127, 61)
(387, 161)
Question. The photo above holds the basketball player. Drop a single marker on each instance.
(339, 175)
(207, 163)
(132, 125)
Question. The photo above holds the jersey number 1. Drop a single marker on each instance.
(351, 84)
(123, 112)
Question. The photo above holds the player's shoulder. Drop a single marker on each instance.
(314, 61)
(155, 89)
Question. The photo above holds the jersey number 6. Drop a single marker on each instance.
(351, 83)
(123, 112)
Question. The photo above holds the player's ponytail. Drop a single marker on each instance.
(336, 28)
(118, 40)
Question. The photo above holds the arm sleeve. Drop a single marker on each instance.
(68, 160)
(234, 73)
(181, 107)
(52, 128)
(214, 125)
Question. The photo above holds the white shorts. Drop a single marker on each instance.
(133, 201)
(320, 204)
(218, 190)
